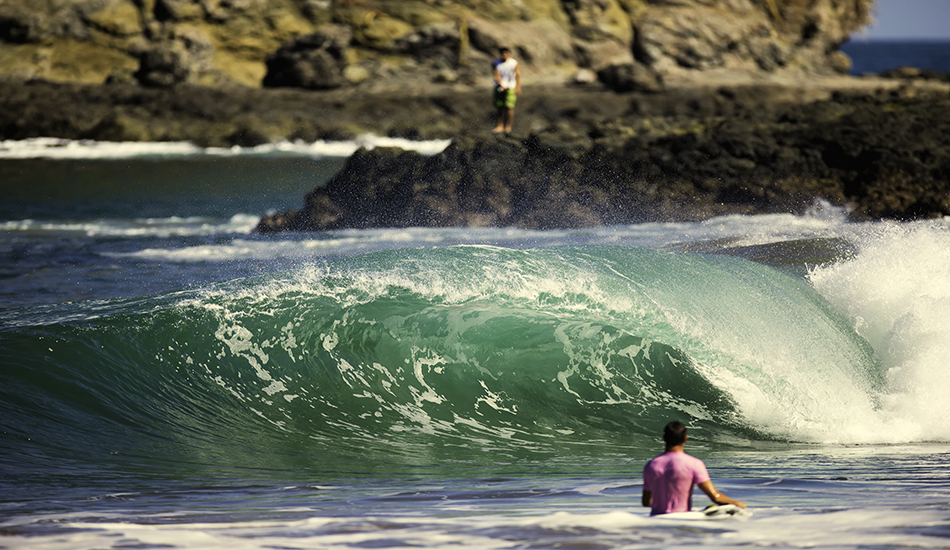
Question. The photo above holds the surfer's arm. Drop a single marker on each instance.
(647, 498)
(717, 497)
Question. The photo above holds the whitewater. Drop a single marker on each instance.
(168, 378)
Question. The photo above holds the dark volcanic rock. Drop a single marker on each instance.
(887, 157)
(225, 117)
(474, 182)
(583, 157)
(892, 154)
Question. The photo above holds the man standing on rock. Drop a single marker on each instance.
(507, 87)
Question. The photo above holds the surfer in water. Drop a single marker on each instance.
(668, 479)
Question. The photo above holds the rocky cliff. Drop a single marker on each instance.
(324, 44)
(754, 115)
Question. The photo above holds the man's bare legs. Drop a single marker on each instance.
(505, 119)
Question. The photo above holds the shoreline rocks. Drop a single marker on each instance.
(883, 155)
(580, 155)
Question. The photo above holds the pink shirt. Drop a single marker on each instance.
(671, 477)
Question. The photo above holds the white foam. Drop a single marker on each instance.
(896, 293)
(144, 227)
(56, 148)
(822, 220)
(464, 527)
(739, 230)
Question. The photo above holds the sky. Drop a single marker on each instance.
(909, 19)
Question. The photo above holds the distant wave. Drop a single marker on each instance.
(55, 148)
(144, 227)
(735, 232)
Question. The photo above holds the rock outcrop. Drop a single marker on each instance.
(316, 61)
(373, 43)
(598, 143)
(885, 157)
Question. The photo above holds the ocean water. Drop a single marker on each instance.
(168, 379)
(877, 56)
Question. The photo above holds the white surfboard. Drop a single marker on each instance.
(713, 511)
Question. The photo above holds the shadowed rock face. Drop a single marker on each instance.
(315, 61)
(366, 43)
(886, 156)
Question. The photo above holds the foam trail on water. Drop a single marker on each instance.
(896, 292)
(56, 148)
(140, 227)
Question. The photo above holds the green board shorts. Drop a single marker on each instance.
(505, 98)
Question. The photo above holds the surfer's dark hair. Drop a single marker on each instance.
(674, 433)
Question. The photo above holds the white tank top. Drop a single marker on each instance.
(506, 73)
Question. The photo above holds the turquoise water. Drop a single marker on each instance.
(169, 379)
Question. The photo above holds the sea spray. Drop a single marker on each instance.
(896, 292)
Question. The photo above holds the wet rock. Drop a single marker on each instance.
(887, 156)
